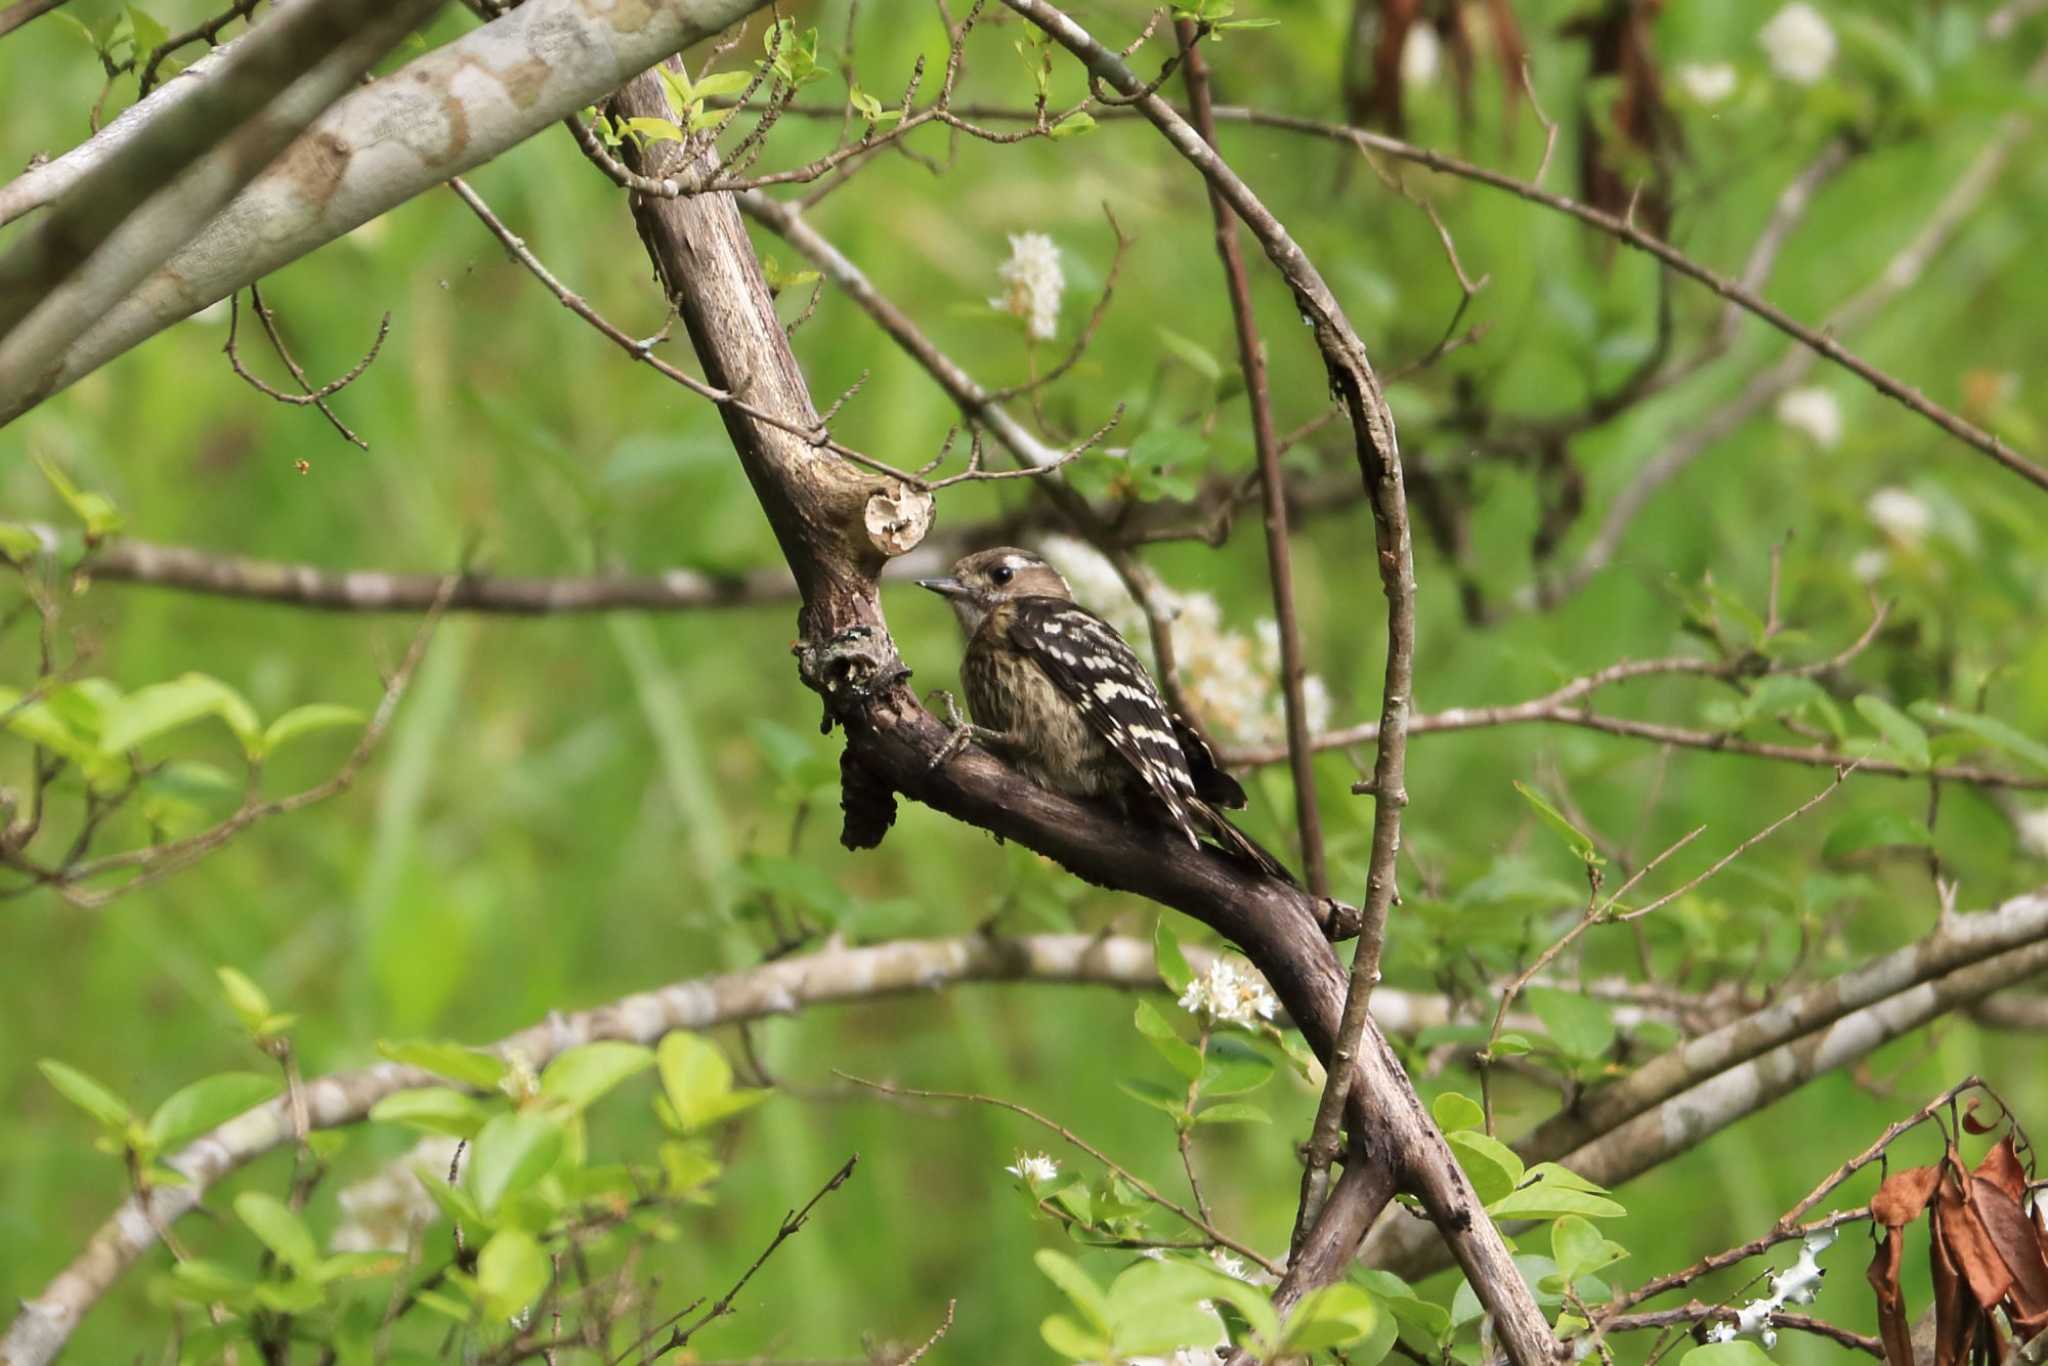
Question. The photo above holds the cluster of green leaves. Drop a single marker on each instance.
(1215, 15)
(524, 1181)
(124, 37)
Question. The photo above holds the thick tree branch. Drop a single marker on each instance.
(451, 109)
(141, 204)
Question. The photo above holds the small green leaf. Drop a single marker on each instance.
(697, 1082)
(1579, 1249)
(1156, 1307)
(1072, 126)
(280, 1228)
(1064, 1272)
(1878, 828)
(510, 1154)
(1548, 1200)
(1234, 1067)
(721, 84)
(511, 1271)
(357, 1266)
(314, 716)
(1905, 735)
(1334, 1316)
(1579, 841)
(1580, 1026)
(1180, 1055)
(207, 1103)
(162, 707)
(470, 1066)
(1172, 963)
(149, 34)
(1173, 1101)
(654, 130)
(1073, 1342)
(1492, 1166)
(291, 1297)
(434, 1109)
(1453, 1112)
(96, 511)
(1232, 1112)
(1192, 354)
(244, 997)
(580, 1075)
(1991, 731)
(19, 543)
(87, 1094)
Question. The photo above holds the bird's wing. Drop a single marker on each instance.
(1212, 782)
(1094, 669)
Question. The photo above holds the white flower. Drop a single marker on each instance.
(381, 1213)
(1033, 282)
(2032, 829)
(1230, 994)
(1899, 514)
(1421, 55)
(1706, 82)
(1870, 565)
(1813, 412)
(1093, 578)
(1034, 1168)
(1799, 43)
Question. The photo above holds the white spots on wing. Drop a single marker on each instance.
(1109, 689)
(1053, 628)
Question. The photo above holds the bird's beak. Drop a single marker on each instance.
(945, 588)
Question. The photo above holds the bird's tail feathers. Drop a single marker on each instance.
(1242, 847)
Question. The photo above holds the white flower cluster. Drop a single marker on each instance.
(1799, 42)
(1229, 993)
(1032, 281)
(382, 1212)
(1034, 1168)
(1797, 1284)
(1232, 680)
(1901, 515)
(1814, 413)
(1707, 83)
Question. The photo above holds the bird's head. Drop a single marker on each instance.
(988, 577)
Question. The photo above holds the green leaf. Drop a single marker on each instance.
(511, 1271)
(1232, 1112)
(1072, 126)
(280, 1228)
(1453, 1112)
(87, 1094)
(1192, 354)
(1064, 1272)
(96, 511)
(472, 1067)
(688, 1165)
(1740, 1352)
(1992, 732)
(510, 1154)
(434, 1109)
(697, 1081)
(291, 1297)
(1334, 1316)
(1541, 1199)
(19, 543)
(244, 997)
(1182, 1056)
(1172, 963)
(1172, 1100)
(1492, 1165)
(1579, 1249)
(1580, 1026)
(207, 1103)
(1073, 1342)
(204, 1280)
(580, 1075)
(720, 84)
(1900, 731)
(161, 707)
(1157, 1306)
(1879, 828)
(1579, 841)
(306, 720)
(1234, 1067)
(654, 130)
(149, 34)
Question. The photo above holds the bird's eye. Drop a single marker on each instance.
(1002, 574)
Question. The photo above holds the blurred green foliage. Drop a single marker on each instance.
(570, 809)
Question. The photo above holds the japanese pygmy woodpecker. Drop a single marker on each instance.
(1057, 692)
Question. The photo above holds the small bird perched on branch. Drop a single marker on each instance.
(1055, 690)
